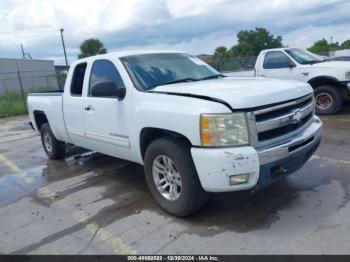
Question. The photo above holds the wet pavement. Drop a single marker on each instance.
(94, 204)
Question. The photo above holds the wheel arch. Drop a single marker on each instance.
(149, 134)
(324, 80)
(40, 118)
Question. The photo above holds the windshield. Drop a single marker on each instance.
(304, 57)
(150, 70)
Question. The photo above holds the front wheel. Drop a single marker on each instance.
(54, 148)
(172, 178)
(328, 100)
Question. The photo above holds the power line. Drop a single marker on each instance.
(44, 30)
(96, 32)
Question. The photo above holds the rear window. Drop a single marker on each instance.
(76, 88)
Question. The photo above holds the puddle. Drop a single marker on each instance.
(21, 127)
(123, 183)
(13, 188)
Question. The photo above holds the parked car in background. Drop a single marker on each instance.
(338, 58)
(194, 130)
(329, 79)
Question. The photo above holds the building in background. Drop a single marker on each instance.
(27, 75)
(61, 69)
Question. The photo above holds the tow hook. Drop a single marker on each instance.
(278, 171)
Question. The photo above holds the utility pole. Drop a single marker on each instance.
(23, 54)
(21, 86)
(64, 47)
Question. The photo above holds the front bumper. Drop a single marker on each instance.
(216, 165)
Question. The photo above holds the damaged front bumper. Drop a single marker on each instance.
(215, 166)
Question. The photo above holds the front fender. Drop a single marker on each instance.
(174, 113)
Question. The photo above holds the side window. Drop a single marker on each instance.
(76, 88)
(104, 79)
(276, 59)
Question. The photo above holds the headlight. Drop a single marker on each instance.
(224, 129)
(347, 75)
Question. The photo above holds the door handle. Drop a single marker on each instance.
(89, 108)
(305, 73)
(262, 75)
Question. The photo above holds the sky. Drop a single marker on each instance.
(194, 26)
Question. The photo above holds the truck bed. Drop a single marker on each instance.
(48, 93)
(49, 104)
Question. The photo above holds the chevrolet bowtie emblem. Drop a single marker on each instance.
(297, 114)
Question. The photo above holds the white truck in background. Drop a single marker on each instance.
(194, 130)
(329, 79)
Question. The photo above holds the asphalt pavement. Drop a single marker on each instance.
(94, 204)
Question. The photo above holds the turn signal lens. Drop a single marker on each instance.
(206, 138)
(205, 122)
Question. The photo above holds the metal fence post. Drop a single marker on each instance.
(5, 87)
(21, 86)
(47, 82)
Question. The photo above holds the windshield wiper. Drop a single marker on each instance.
(211, 77)
(311, 62)
(187, 79)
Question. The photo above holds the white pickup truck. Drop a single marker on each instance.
(329, 79)
(194, 130)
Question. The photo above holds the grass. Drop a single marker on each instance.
(12, 104)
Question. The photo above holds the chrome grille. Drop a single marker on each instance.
(276, 123)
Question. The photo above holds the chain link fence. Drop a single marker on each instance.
(238, 63)
(30, 81)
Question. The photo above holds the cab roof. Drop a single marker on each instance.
(120, 54)
(278, 49)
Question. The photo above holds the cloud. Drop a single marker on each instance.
(191, 25)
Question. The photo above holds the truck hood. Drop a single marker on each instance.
(241, 93)
(332, 64)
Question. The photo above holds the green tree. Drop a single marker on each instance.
(242, 49)
(91, 47)
(251, 42)
(320, 47)
(220, 52)
(345, 44)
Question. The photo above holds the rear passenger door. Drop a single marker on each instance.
(105, 114)
(73, 105)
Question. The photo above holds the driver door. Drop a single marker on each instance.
(277, 64)
(104, 112)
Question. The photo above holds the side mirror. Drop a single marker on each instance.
(108, 89)
(292, 64)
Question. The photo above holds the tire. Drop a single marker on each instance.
(192, 196)
(54, 149)
(328, 100)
